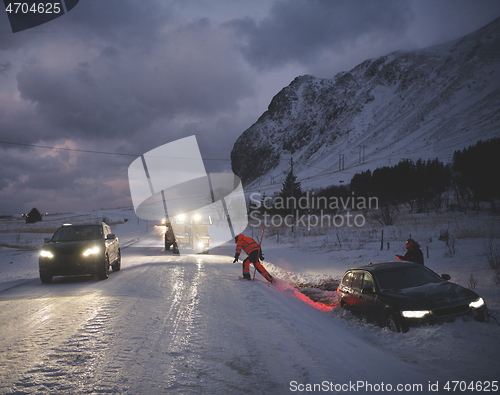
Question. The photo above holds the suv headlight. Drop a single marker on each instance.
(477, 303)
(415, 313)
(91, 251)
(46, 254)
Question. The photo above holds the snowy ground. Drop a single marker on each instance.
(188, 325)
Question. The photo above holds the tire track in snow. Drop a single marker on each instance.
(152, 331)
(132, 341)
(48, 359)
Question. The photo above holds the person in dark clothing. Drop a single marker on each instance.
(413, 253)
(169, 235)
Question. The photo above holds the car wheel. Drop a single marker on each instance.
(103, 273)
(46, 278)
(344, 306)
(118, 264)
(481, 317)
(392, 322)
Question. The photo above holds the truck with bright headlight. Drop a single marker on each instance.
(192, 234)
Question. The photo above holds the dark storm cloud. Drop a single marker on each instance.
(117, 78)
(5, 67)
(300, 30)
(125, 76)
(119, 20)
(55, 180)
(81, 102)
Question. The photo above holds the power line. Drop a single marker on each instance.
(95, 152)
(66, 149)
(121, 154)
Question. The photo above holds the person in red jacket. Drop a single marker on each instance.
(254, 252)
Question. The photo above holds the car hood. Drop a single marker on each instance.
(68, 246)
(433, 295)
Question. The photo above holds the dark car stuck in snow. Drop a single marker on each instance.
(80, 249)
(404, 294)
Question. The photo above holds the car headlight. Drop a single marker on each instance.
(46, 254)
(415, 313)
(201, 244)
(91, 251)
(477, 303)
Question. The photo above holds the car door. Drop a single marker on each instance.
(111, 244)
(352, 292)
(369, 299)
(363, 298)
(345, 288)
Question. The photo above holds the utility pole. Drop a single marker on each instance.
(292, 186)
(362, 154)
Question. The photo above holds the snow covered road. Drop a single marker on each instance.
(179, 325)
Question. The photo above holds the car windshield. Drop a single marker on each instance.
(75, 233)
(406, 277)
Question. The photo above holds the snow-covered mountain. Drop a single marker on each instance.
(406, 105)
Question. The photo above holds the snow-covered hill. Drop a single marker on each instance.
(406, 105)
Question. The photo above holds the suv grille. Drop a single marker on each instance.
(451, 310)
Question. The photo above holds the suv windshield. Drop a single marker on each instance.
(406, 277)
(75, 233)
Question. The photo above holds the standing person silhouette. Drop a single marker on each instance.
(413, 252)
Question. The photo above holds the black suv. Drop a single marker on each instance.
(80, 249)
(404, 294)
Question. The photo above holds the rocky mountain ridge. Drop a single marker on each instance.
(405, 105)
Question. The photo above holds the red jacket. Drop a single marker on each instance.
(246, 244)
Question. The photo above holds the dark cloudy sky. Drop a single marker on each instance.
(126, 76)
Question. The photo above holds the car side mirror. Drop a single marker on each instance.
(446, 277)
(46, 240)
(111, 236)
